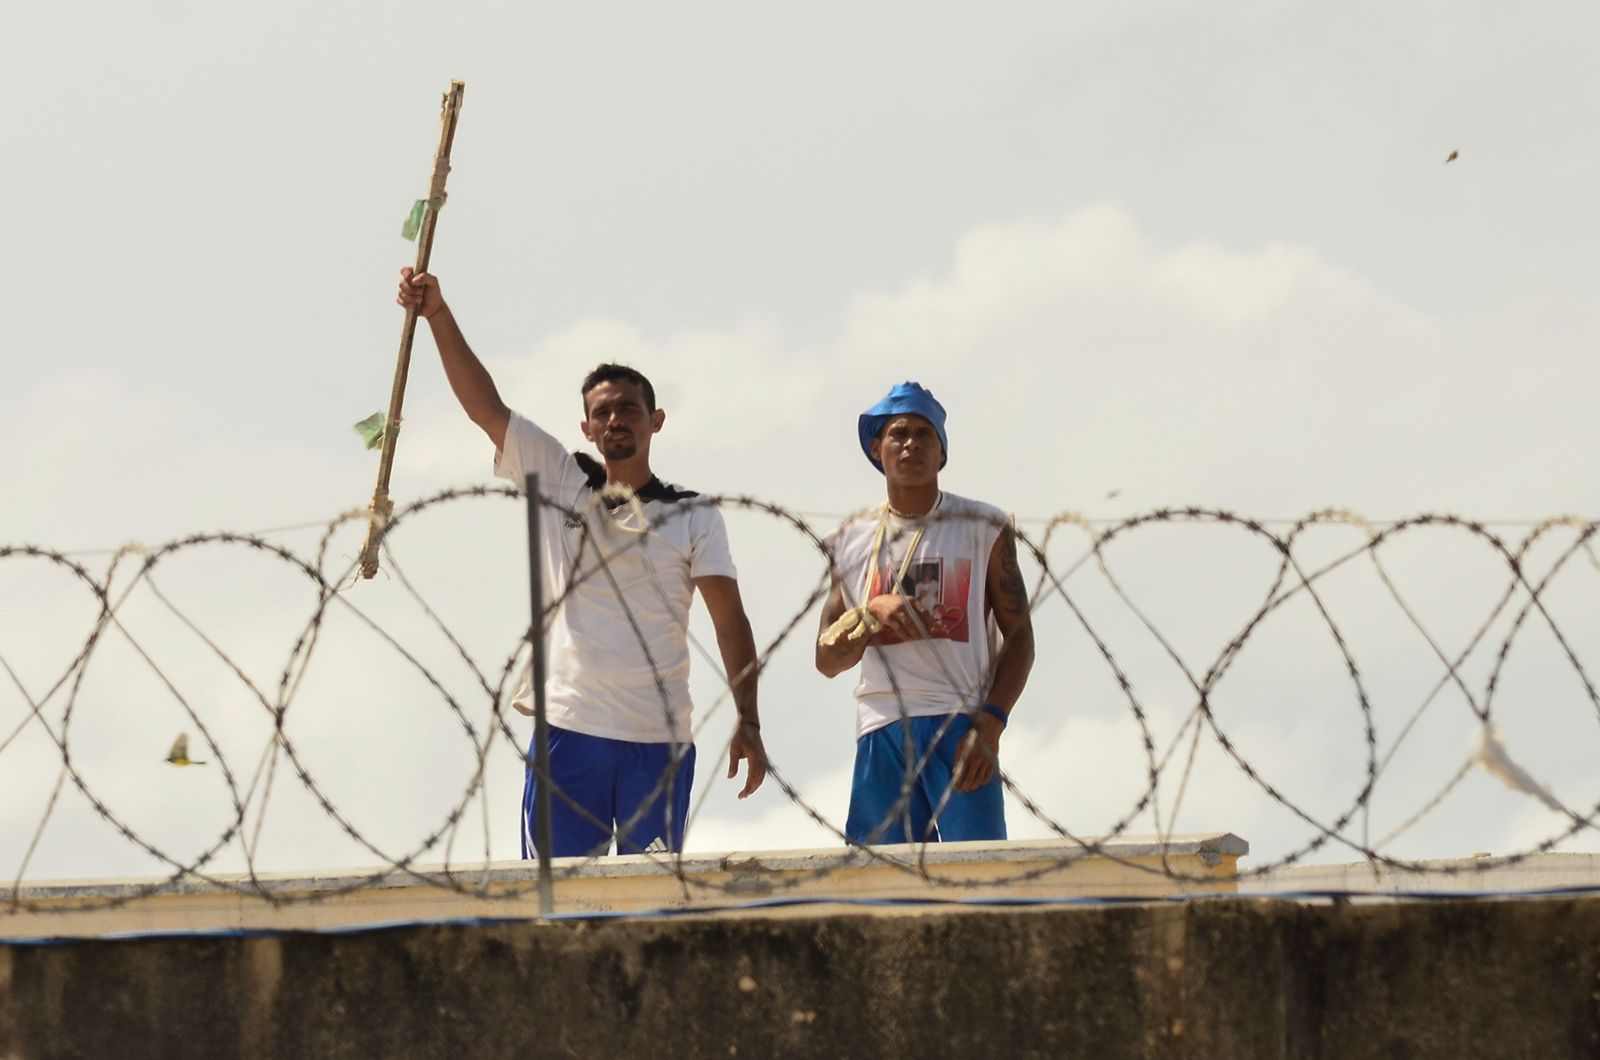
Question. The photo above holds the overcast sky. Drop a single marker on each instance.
(1147, 253)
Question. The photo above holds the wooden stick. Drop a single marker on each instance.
(382, 507)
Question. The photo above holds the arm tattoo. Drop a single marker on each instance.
(1011, 600)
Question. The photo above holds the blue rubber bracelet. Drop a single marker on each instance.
(995, 712)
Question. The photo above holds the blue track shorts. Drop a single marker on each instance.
(882, 812)
(601, 788)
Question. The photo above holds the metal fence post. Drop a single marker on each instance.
(541, 725)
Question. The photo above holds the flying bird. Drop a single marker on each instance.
(1114, 494)
(179, 755)
(1453, 156)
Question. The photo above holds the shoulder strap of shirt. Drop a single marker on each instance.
(592, 470)
(654, 490)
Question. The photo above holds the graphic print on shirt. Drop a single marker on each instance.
(941, 588)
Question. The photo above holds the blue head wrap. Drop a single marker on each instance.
(905, 399)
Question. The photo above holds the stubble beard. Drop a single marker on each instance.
(619, 449)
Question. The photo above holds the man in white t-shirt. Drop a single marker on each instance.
(927, 597)
(626, 571)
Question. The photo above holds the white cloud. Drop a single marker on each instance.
(1231, 290)
(773, 821)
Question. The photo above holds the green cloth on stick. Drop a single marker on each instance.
(372, 429)
(413, 225)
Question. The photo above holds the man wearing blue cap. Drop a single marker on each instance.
(928, 598)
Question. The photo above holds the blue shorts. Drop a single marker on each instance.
(881, 811)
(637, 793)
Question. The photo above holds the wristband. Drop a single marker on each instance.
(995, 712)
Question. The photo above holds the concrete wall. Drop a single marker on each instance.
(1208, 978)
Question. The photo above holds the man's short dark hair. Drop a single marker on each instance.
(611, 373)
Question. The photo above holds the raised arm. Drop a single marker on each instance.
(1006, 597)
(738, 647)
(473, 386)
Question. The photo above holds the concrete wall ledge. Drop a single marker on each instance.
(1479, 873)
(1124, 866)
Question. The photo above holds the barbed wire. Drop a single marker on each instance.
(833, 517)
(484, 718)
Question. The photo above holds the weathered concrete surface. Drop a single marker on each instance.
(1214, 978)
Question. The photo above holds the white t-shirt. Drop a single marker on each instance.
(602, 678)
(950, 671)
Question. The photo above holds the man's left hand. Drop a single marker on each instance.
(979, 758)
(747, 746)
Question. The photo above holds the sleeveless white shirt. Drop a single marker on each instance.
(951, 670)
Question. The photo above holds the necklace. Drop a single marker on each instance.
(902, 515)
